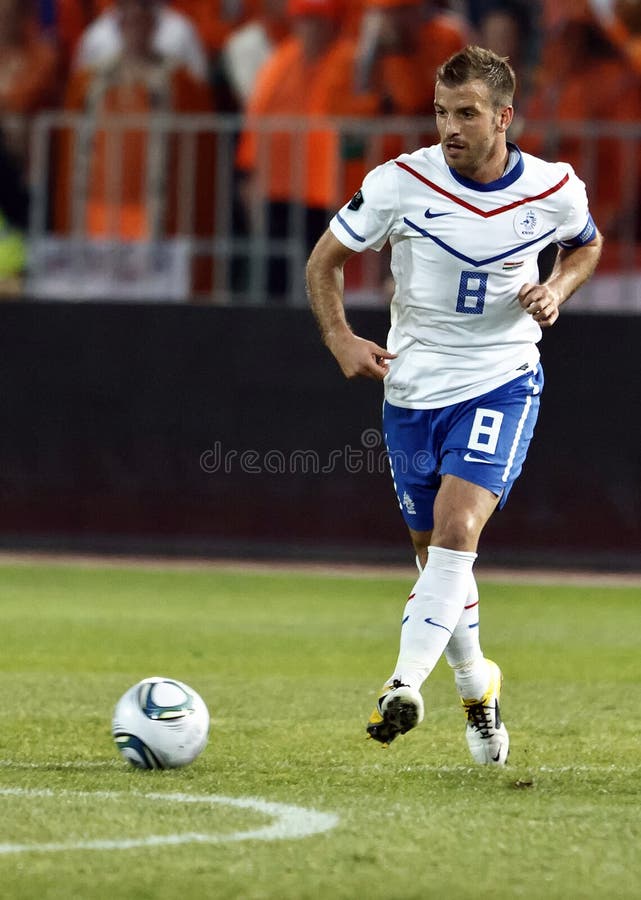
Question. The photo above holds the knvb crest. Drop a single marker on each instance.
(527, 223)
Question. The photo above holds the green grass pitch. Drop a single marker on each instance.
(289, 665)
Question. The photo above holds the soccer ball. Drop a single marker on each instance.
(160, 723)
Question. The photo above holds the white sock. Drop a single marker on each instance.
(432, 612)
(464, 653)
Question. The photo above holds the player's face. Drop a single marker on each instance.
(471, 129)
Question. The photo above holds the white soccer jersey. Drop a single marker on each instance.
(461, 251)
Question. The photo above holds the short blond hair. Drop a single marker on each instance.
(478, 64)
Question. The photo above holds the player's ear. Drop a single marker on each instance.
(504, 117)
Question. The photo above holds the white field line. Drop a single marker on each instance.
(289, 822)
(545, 576)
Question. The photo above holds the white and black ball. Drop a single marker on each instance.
(160, 723)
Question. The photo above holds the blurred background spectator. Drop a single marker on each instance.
(511, 28)
(292, 178)
(28, 71)
(401, 45)
(621, 19)
(248, 47)
(63, 22)
(121, 180)
(174, 37)
(216, 21)
(584, 77)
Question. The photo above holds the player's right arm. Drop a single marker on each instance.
(325, 287)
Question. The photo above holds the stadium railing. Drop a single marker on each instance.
(205, 237)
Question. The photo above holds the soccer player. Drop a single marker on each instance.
(466, 219)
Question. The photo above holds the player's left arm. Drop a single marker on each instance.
(572, 268)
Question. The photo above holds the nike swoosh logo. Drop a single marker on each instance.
(437, 625)
(431, 215)
(469, 458)
(497, 757)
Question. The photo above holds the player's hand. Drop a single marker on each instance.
(359, 357)
(540, 302)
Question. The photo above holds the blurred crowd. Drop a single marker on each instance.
(577, 61)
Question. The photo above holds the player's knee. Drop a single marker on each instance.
(458, 531)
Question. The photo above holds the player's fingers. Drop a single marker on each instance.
(538, 313)
(548, 316)
(381, 353)
(525, 291)
(367, 371)
(379, 372)
(378, 368)
(370, 361)
(537, 303)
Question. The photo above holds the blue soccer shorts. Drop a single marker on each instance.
(483, 440)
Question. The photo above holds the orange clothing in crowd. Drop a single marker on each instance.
(590, 86)
(620, 20)
(303, 167)
(555, 14)
(352, 17)
(404, 83)
(276, 23)
(407, 81)
(208, 16)
(129, 177)
(28, 74)
(71, 19)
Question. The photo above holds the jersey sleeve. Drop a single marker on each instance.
(578, 227)
(368, 219)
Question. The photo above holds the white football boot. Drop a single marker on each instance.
(486, 734)
(399, 709)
